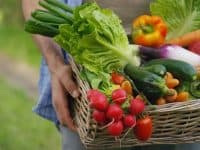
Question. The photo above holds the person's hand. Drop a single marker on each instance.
(62, 85)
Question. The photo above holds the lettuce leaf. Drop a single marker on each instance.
(181, 16)
(97, 40)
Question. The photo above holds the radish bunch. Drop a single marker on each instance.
(117, 111)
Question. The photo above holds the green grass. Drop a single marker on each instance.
(19, 45)
(20, 128)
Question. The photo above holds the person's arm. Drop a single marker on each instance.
(61, 73)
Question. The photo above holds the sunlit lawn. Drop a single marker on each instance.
(20, 129)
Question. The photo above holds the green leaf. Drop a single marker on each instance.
(181, 16)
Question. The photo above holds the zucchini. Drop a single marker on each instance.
(150, 84)
(179, 69)
(37, 27)
(46, 16)
(157, 69)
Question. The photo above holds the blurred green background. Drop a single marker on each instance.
(20, 128)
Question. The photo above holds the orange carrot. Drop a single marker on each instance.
(186, 39)
(172, 83)
(182, 96)
(161, 101)
(126, 85)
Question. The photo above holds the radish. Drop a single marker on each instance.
(97, 100)
(137, 106)
(116, 128)
(129, 121)
(114, 112)
(99, 117)
(117, 78)
(119, 96)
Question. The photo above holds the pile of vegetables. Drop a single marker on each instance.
(126, 77)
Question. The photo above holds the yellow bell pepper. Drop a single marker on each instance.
(149, 31)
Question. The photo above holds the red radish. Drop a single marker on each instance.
(129, 121)
(195, 47)
(114, 112)
(97, 100)
(92, 93)
(137, 106)
(99, 116)
(119, 96)
(116, 128)
(117, 78)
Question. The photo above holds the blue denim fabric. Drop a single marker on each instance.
(44, 106)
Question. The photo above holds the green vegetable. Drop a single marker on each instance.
(181, 16)
(195, 88)
(157, 69)
(179, 69)
(150, 84)
(97, 40)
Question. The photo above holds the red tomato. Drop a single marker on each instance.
(117, 78)
(143, 128)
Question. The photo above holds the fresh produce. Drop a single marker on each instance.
(195, 88)
(157, 69)
(99, 116)
(144, 128)
(181, 17)
(171, 98)
(98, 100)
(182, 97)
(126, 85)
(119, 96)
(171, 52)
(136, 106)
(171, 82)
(129, 121)
(161, 101)
(154, 85)
(195, 47)
(149, 31)
(187, 39)
(114, 112)
(116, 128)
(117, 78)
(179, 69)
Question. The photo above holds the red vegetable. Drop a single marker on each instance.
(143, 128)
(129, 121)
(114, 112)
(137, 106)
(119, 96)
(99, 116)
(97, 100)
(117, 78)
(116, 128)
(195, 47)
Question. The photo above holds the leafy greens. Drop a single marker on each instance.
(181, 16)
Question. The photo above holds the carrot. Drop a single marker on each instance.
(168, 76)
(182, 96)
(161, 101)
(186, 39)
(171, 98)
(126, 85)
(172, 83)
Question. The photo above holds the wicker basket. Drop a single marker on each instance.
(172, 123)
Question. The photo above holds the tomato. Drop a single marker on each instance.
(117, 78)
(143, 128)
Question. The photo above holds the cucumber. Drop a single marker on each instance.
(179, 69)
(150, 84)
(157, 69)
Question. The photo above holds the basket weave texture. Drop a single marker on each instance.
(173, 123)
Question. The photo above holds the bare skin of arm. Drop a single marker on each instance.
(61, 73)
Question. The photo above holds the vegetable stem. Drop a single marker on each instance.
(56, 11)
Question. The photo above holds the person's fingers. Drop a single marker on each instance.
(61, 105)
(69, 83)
